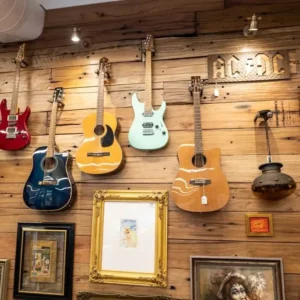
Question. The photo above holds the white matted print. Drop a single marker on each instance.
(129, 236)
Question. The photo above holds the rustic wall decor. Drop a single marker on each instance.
(259, 224)
(252, 66)
(129, 238)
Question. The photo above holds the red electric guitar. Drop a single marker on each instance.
(13, 127)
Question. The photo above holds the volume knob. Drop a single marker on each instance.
(163, 132)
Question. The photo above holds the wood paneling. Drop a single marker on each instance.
(227, 122)
(234, 18)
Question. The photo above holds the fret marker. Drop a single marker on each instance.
(204, 200)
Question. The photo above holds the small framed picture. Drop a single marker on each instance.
(230, 278)
(44, 261)
(4, 269)
(259, 224)
(129, 238)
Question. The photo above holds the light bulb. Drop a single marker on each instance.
(75, 36)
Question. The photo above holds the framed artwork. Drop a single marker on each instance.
(231, 278)
(129, 238)
(4, 269)
(107, 296)
(44, 261)
(259, 224)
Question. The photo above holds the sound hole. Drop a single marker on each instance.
(49, 163)
(199, 160)
(99, 130)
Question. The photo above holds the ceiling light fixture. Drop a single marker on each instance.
(75, 35)
(252, 29)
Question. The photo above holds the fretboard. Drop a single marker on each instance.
(100, 100)
(14, 97)
(52, 129)
(148, 82)
(197, 126)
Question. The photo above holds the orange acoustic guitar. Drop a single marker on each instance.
(100, 152)
(200, 185)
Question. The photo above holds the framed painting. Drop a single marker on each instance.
(44, 261)
(129, 238)
(259, 224)
(4, 269)
(231, 278)
(108, 296)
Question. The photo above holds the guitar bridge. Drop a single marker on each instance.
(98, 154)
(200, 181)
(148, 131)
(48, 182)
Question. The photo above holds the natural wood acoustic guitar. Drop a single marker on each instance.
(200, 185)
(100, 152)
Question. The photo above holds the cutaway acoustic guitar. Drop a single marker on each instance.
(200, 185)
(14, 134)
(49, 187)
(100, 152)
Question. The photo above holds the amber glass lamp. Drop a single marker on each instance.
(272, 184)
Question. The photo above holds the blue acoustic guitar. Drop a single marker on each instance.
(48, 186)
(148, 130)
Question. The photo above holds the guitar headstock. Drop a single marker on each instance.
(148, 44)
(196, 85)
(58, 95)
(104, 67)
(20, 58)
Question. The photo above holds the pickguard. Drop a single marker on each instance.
(109, 137)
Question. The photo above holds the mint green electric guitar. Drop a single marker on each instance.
(148, 130)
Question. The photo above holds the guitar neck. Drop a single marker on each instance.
(100, 99)
(52, 129)
(148, 82)
(197, 122)
(14, 98)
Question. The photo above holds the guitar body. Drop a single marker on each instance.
(21, 137)
(108, 155)
(188, 196)
(158, 134)
(48, 197)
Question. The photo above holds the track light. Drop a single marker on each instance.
(252, 29)
(75, 35)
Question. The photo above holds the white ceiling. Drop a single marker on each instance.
(52, 4)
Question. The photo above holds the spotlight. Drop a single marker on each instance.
(252, 29)
(75, 35)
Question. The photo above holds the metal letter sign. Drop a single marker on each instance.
(253, 66)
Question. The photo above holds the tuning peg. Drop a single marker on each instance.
(216, 91)
(50, 100)
(97, 72)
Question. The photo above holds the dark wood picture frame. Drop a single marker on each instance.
(234, 271)
(69, 228)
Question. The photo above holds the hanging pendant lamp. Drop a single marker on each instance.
(272, 184)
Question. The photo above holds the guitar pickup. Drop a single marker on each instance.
(200, 182)
(12, 118)
(148, 132)
(148, 125)
(98, 154)
(11, 132)
(48, 182)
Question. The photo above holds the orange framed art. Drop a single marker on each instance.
(259, 224)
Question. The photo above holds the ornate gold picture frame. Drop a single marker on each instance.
(106, 296)
(129, 238)
(4, 269)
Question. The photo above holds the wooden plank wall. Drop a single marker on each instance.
(186, 36)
